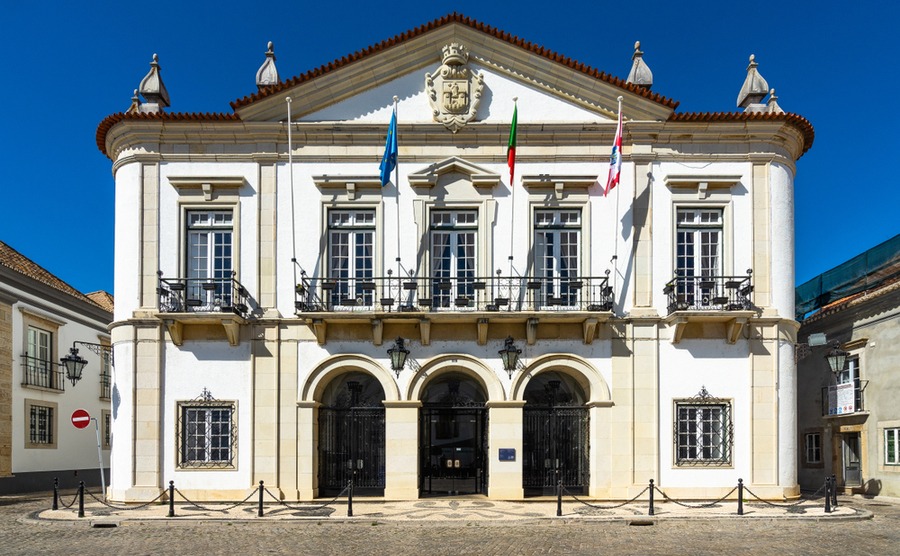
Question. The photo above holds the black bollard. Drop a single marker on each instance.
(559, 498)
(262, 489)
(55, 493)
(80, 498)
(171, 499)
(827, 495)
(740, 496)
(833, 491)
(650, 512)
(350, 499)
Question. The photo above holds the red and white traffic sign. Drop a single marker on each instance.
(81, 418)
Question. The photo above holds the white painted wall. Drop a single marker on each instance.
(375, 105)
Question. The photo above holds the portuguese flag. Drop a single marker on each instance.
(511, 148)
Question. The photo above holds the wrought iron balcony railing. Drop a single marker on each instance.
(41, 373)
(709, 293)
(454, 294)
(202, 295)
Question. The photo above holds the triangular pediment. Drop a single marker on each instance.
(429, 176)
(360, 88)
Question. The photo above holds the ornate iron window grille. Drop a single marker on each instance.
(206, 433)
(703, 432)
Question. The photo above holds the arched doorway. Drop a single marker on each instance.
(555, 424)
(454, 436)
(351, 436)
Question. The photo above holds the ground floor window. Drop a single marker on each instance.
(813, 442)
(41, 419)
(703, 431)
(207, 433)
(892, 446)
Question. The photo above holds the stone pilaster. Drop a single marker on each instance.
(505, 431)
(265, 352)
(401, 450)
(148, 371)
(149, 237)
(267, 199)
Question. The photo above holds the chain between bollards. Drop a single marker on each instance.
(171, 499)
(80, 498)
(740, 496)
(650, 511)
(262, 490)
(56, 493)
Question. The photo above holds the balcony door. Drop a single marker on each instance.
(351, 258)
(453, 257)
(557, 245)
(209, 259)
(698, 256)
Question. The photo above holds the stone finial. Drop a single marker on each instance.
(754, 89)
(153, 90)
(135, 103)
(772, 104)
(267, 75)
(640, 74)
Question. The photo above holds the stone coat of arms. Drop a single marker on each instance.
(454, 90)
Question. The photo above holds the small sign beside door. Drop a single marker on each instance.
(507, 454)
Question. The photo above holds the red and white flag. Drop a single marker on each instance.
(615, 160)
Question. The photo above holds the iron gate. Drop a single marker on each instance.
(555, 438)
(351, 440)
(453, 450)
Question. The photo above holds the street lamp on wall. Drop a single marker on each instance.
(509, 355)
(398, 354)
(75, 363)
(836, 357)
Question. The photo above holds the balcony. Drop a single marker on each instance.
(199, 301)
(481, 300)
(716, 300)
(841, 400)
(39, 373)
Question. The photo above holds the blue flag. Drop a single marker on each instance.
(389, 160)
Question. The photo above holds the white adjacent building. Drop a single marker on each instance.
(41, 319)
(263, 273)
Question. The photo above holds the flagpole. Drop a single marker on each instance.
(616, 222)
(512, 185)
(397, 186)
(291, 185)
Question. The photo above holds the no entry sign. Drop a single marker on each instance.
(81, 418)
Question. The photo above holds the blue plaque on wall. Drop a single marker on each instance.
(507, 454)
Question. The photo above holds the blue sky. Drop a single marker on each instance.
(67, 65)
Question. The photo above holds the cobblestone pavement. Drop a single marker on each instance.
(457, 526)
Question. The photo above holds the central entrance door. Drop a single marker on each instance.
(454, 437)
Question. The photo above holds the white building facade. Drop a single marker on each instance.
(41, 319)
(263, 272)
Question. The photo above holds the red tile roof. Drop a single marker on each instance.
(801, 123)
(13, 260)
(103, 299)
(463, 20)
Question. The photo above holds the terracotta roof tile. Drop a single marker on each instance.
(103, 299)
(463, 20)
(801, 123)
(111, 120)
(13, 260)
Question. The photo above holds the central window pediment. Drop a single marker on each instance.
(427, 178)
